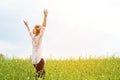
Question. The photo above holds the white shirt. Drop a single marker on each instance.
(37, 51)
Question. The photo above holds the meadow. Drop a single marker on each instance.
(70, 69)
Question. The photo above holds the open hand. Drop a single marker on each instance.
(45, 12)
(26, 23)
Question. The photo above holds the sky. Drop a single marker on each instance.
(75, 28)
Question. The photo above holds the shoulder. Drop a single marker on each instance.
(43, 27)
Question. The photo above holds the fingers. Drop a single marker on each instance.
(25, 22)
(45, 12)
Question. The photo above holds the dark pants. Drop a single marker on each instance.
(40, 71)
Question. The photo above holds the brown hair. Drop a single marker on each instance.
(37, 28)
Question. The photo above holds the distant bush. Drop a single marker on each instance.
(2, 56)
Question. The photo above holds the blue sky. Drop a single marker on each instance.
(74, 27)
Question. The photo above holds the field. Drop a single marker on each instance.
(81, 69)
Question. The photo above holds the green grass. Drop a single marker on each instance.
(82, 69)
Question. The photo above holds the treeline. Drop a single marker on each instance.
(2, 56)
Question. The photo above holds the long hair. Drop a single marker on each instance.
(37, 28)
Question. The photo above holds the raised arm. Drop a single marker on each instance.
(45, 17)
(26, 24)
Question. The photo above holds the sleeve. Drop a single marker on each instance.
(42, 30)
(30, 33)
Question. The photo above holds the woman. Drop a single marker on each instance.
(37, 35)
